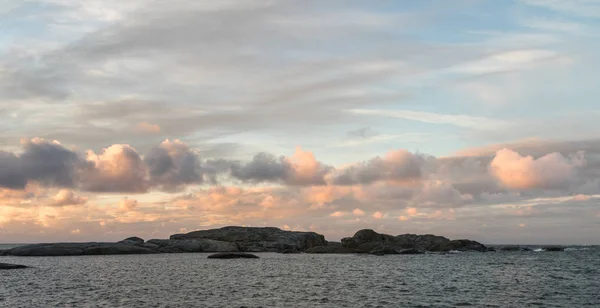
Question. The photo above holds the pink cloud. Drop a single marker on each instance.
(338, 214)
(68, 197)
(525, 172)
(147, 128)
(128, 205)
(118, 168)
(358, 212)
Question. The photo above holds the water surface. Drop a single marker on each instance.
(503, 279)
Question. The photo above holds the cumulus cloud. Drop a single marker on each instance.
(398, 166)
(551, 171)
(173, 164)
(43, 161)
(118, 168)
(68, 197)
(358, 212)
(300, 169)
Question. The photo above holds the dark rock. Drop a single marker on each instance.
(369, 246)
(369, 241)
(253, 239)
(410, 251)
(460, 245)
(150, 246)
(174, 246)
(330, 249)
(288, 251)
(193, 245)
(6, 266)
(58, 249)
(232, 255)
(553, 248)
(117, 249)
(134, 240)
(383, 250)
(378, 252)
(334, 244)
(425, 242)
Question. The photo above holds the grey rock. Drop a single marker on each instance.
(174, 246)
(288, 251)
(330, 249)
(134, 240)
(75, 249)
(117, 249)
(7, 266)
(58, 249)
(384, 250)
(459, 245)
(410, 251)
(150, 246)
(232, 255)
(192, 245)
(369, 241)
(254, 239)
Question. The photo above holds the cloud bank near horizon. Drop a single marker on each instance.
(52, 188)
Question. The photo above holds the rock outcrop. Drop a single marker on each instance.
(369, 241)
(6, 266)
(255, 239)
(193, 245)
(252, 239)
(75, 249)
(232, 255)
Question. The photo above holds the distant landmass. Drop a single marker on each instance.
(264, 239)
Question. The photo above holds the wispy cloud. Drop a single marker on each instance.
(459, 120)
(406, 137)
(584, 8)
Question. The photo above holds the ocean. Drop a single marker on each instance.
(494, 279)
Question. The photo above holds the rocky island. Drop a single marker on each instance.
(257, 239)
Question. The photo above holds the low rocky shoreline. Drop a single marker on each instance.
(264, 239)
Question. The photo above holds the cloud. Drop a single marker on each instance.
(378, 215)
(118, 168)
(459, 120)
(338, 214)
(400, 165)
(358, 212)
(582, 8)
(147, 128)
(68, 197)
(173, 164)
(551, 171)
(46, 162)
(300, 169)
(128, 205)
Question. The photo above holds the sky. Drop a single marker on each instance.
(467, 118)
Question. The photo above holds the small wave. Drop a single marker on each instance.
(576, 248)
(539, 249)
(454, 251)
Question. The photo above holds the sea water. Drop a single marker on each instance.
(494, 279)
